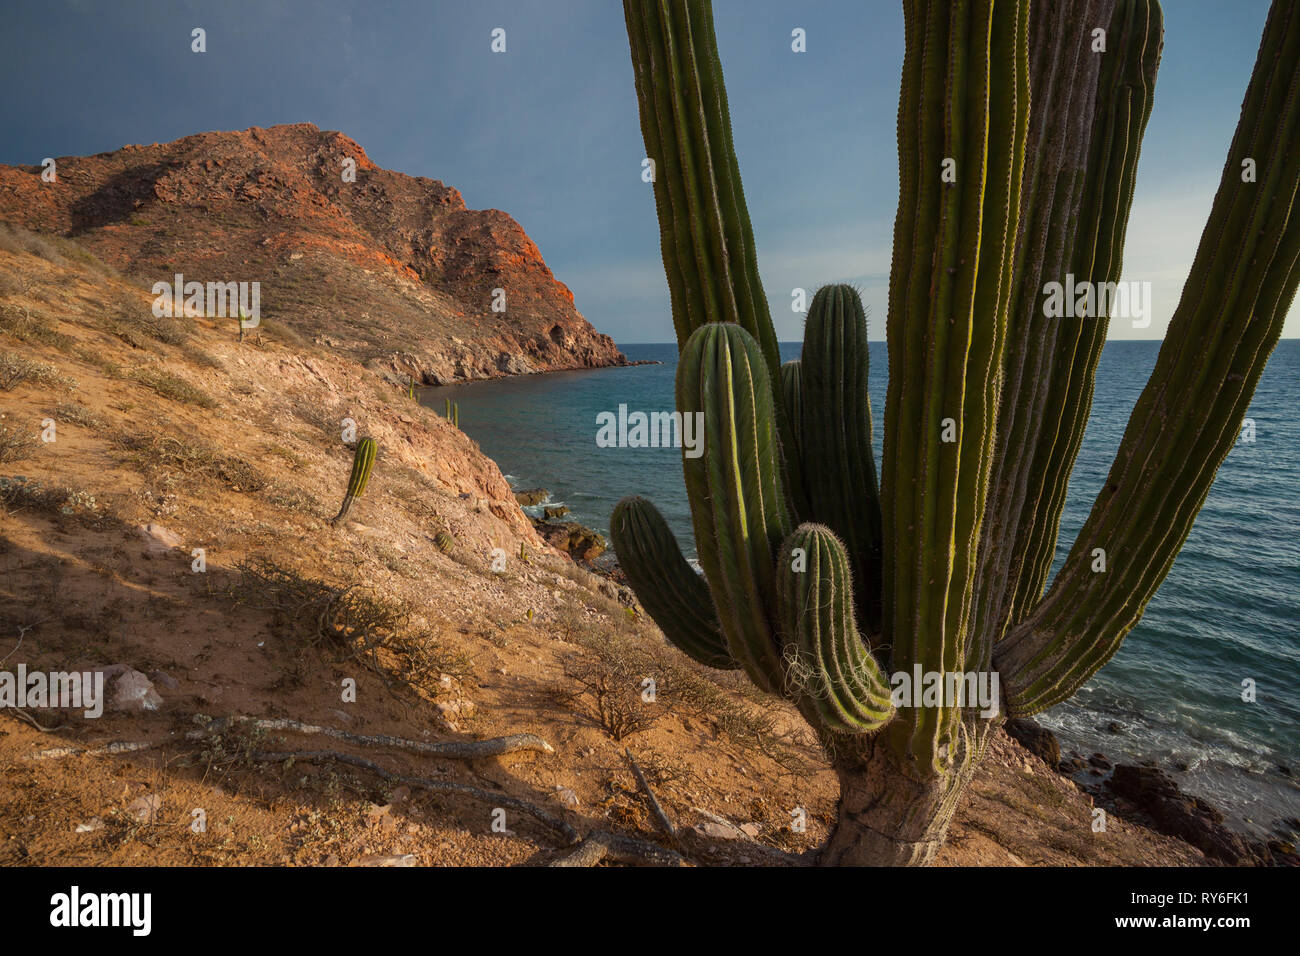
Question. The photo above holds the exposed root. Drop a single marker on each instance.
(655, 806)
(451, 750)
(116, 747)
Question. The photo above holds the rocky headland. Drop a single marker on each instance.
(393, 271)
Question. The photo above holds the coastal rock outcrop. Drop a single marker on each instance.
(1182, 815)
(393, 270)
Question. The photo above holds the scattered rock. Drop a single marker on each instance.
(158, 539)
(1114, 727)
(91, 825)
(1181, 815)
(1072, 766)
(131, 691)
(577, 541)
(555, 511)
(532, 496)
(1099, 760)
(567, 796)
(719, 831)
(163, 679)
(1038, 740)
(405, 859)
(145, 809)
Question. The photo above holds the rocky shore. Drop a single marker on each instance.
(1146, 794)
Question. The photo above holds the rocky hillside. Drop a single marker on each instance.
(392, 270)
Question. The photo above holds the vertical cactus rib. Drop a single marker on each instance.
(792, 395)
(1230, 316)
(667, 586)
(963, 98)
(363, 459)
(1124, 103)
(835, 450)
(831, 670)
(706, 237)
(1061, 167)
(738, 501)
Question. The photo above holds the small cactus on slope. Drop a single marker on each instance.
(363, 459)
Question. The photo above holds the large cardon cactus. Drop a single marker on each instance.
(1018, 141)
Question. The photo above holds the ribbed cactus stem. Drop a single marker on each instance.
(963, 122)
(363, 459)
(1230, 316)
(737, 498)
(830, 670)
(838, 464)
(670, 590)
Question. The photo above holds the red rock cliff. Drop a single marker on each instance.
(393, 269)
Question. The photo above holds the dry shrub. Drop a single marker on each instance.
(14, 370)
(174, 387)
(169, 453)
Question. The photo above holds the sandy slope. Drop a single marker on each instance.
(247, 463)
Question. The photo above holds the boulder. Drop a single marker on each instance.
(1181, 815)
(1038, 740)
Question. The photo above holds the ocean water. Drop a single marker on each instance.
(1229, 610)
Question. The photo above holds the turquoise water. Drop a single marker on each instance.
(1229, 610)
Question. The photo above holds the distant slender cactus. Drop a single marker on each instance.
(1018, 145)
(363, 459)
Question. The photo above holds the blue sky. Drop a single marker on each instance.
(548, 130)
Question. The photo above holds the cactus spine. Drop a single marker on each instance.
(363, 459)
(943, 565)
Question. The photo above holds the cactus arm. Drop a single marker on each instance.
(735, 488)
(1125, 98)
(792, 395)
(1090, 110)
(963, 97)
(667, 586)
(1230, 316)
(705, 235)
(363, 459)
(836, 454)
(830, 669)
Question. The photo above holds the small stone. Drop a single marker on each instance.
(158, 539)
(91, 825)
(405, 859)
(163, 679)
(133, 692)
(567, 796)
(719, 831)
(145, 808)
